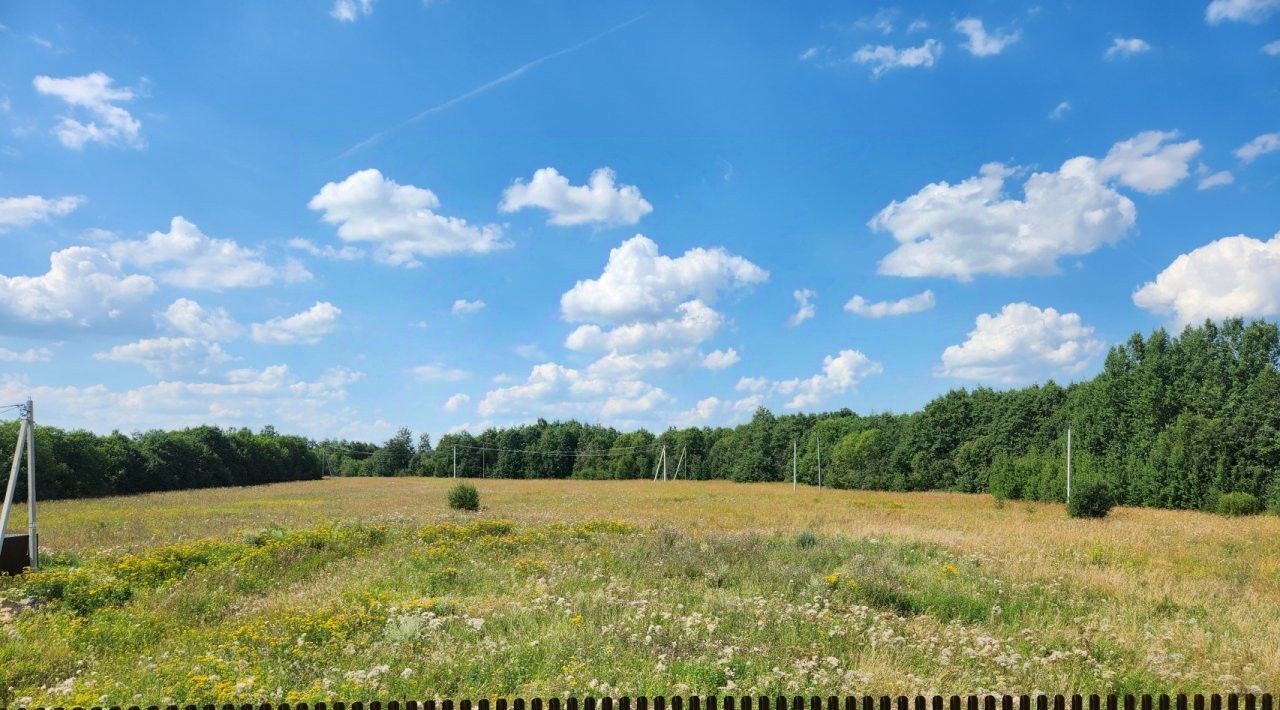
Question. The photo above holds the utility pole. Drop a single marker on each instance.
(819, 463)
(664, 463)
(1068, 464)
(795, 454)
(27, 438)
(32, 542)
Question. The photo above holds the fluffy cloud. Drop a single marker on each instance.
(399, 220)
(463, 307)
(751, 384)
(272, 395)
(307, 327)
(696, 323)
(804, 307)
(972, 227)
(184, 256)
(350, 10)
(720, 359)
(83, 288)
(1272, 48)
(716, 409)
(110, 124)
(922, 301)
(1233, 276)
(1260, 146)
(882, 58)
(1061, 110)
(456, 402)
(1209, 179)
(168, 356)
(1020, 344)
(27, 356)
(436, 372)
(1122, 47)
(980, 43)
(189, 318)
(638, 282)
(561, 391)
(1149, 162)
(840, 373)
(600, 201)
(1251, 11)
(22, 211)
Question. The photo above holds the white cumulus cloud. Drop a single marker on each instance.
(600, 201)
(1229, 277)
(883, 58)
(1022, 343)
(1150, 162)
(922, 301)
(350, 10)
(1251, 11)
(973, 227)
(695, 323)
(186, 317)
(456, 402)
(83, 288)
(981, 43)
(1258, 147)
(555, 390)
(720, 359)
(840, 373)
(110, 124)
(805, 307)
(304, 328)
(168, 356)
(463, 307)
(184, 256)
(243, 397)
(639, 283)
(22, 211)
(399, 220)
(1122, 47)
(27, 356)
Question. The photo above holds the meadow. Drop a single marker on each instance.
(359, 588)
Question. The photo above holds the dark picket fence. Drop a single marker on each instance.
(1217, 701)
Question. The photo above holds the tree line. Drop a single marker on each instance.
(1170, 421)
(81, 464)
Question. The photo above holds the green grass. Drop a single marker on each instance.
(542, 601)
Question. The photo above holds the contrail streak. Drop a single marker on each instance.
(513, 74)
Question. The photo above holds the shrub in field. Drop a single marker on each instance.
(806, 539)
(1091, 499)
(464, 496)
(1238, 504)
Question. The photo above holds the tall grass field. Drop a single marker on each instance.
(348, 589)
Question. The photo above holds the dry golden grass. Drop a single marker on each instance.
(1170, 598)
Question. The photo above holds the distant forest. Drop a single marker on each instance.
(1170, 422)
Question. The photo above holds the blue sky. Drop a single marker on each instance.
(343, 217)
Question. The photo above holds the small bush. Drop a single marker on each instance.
(464, 496)
(1090, 499)
(1238, 504)
(806, 539)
